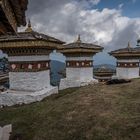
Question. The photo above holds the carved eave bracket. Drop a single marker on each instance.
(9, 14)
(32, 44)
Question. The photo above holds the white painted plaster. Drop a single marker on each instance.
(128, 73)
(29, 81)
(69, 83)
(128, 60)
(76, 77)
(14, 97)
(28, 58)
(79, 58)
(79, 73)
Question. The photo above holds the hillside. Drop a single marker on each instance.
(109, 66)
(99, 112)
(56, 67)
(4, 64)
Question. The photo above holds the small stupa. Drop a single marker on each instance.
(28, 55)
(79, 63)
(128, 62)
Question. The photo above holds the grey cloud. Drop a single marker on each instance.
(121, 39)
(65, 19)
(38, 6)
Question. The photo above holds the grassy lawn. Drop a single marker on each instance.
(99, 112)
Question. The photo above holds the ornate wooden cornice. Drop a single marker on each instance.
(78, 50)
(26, 51)
(28, 43)
(127, 55)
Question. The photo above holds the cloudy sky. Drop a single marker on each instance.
(110, 23)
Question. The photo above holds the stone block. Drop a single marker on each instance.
(5, 132)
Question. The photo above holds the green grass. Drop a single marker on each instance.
(99, 112)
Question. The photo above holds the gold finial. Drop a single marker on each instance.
(79, 39)
(29, 28)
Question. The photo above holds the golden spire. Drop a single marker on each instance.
(29, 28)
(78, 39)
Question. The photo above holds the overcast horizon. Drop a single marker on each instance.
(111, 24)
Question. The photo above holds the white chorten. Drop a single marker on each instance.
(28, 54)
(128, 62)
(79, 63)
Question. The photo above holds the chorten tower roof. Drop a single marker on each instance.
(126, 52)
(29, 38)
(80, 47)
(38, 43)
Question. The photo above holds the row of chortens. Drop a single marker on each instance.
(28, 55)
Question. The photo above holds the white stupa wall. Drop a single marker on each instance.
(128, 72)
(80, 73)
(29, 81)
(28, 58)
(27, 86)
(77, 76)
(86, 74)
(128, 60)
(79, 58)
